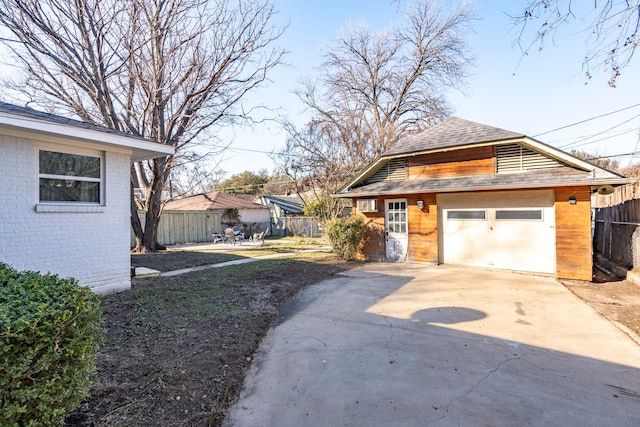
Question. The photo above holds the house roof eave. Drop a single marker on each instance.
(498, 187)
(141, 149)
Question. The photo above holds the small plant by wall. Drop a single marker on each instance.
(50, 332)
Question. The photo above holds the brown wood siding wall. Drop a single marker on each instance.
(471, 161)
(573, 234)
(373, 243)
(423, 229)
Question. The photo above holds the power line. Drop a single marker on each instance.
(598, 140)
(271, 153)
(613, 155)
(586, 120)
(577, 143)
(614, 134)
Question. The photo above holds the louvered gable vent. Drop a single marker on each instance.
(516, 158)
(393, 170)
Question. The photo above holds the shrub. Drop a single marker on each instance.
(50, 332)
(345, 235)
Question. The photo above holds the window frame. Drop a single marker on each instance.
(537, 210)
(100, 155)
(484, 212)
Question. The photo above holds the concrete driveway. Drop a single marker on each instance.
(415, 345)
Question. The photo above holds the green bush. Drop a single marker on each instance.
(50, 332)
(345, 235)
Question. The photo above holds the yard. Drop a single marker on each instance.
(177, 348)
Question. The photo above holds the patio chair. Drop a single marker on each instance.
(258, 237)
(238, 234)
(230, 236)
(217, 237)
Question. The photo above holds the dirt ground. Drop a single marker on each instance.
(617, 300)
(177, 349)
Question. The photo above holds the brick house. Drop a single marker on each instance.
(65, 196)
(464, 193)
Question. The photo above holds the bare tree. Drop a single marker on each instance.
(374, 89)
(607, 162)
(168, 70)
(611, 29)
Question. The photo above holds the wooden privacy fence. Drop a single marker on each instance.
(616, 235)
(177, 227)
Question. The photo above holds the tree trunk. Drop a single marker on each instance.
(136, 225)
(147, 237)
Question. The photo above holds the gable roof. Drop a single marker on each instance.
(289, 204)
(24, 119)
(456, 133)
(214, 200)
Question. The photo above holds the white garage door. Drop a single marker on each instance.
(513, 230)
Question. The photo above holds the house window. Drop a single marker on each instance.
(470, 214)
(367, 205)
(67, 177)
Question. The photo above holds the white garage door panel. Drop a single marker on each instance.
(517, 232)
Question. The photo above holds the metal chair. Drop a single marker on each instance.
(217, 237)
(258, 237)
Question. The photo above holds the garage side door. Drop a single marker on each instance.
(505, 230)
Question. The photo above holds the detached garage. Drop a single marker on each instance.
(464, 193)
(512, 230)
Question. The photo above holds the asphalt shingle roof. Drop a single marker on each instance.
(452, 132)
(289, 204)
(211, 201)
(53, 118)
(540, 178)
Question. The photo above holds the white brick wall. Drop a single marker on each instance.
(88, 243)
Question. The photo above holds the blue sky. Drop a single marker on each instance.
(532, 95)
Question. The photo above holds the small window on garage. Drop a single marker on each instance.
(467, 214)
(520, 214)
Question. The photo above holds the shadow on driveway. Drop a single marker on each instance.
(416, 345)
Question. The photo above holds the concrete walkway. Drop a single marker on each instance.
(414, 345)
(240, 261)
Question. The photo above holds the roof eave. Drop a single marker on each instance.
(460, 189)
(141, 149)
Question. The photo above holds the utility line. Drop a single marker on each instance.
(598, 140)
(586, 120)
(613, 155)
(577, 143)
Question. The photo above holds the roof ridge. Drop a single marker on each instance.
(452, 132)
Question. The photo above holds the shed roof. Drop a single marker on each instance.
(214, 200)
(289, 204)
(24, 119)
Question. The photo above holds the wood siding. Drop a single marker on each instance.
(177, 227)
(470, 161)
(423, 229)
(573, 234)
(372, 247)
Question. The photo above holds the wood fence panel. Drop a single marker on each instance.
(178, 227)
(616, 218)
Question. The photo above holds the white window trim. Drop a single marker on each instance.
(73, 207)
